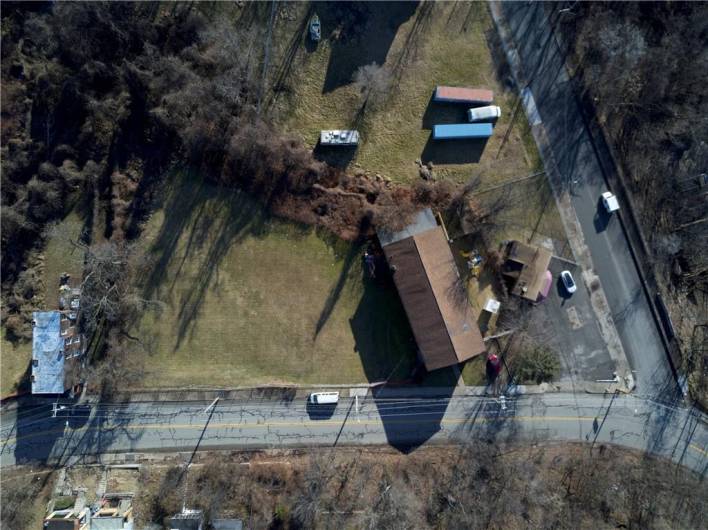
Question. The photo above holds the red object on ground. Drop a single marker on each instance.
(452, 94)
(494, 362)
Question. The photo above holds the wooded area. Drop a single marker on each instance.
(642, 68)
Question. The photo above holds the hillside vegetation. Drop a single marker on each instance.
(642, 67)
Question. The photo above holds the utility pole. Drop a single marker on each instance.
(598, 429)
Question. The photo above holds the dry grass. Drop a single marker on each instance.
(254, 300)
(58, 256)
(14, 364)
(446, 44)
(61, 256)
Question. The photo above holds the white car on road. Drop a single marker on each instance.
(609, 201)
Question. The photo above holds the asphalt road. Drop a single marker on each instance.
(403, 422)
(581, 174)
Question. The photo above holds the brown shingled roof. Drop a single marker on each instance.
(433, 296)
(527, 265)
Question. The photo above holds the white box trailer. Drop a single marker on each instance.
(339, 137)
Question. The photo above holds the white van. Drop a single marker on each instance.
(492, 112)
(323, 398)
(610, 202)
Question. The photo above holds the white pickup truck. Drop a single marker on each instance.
(609, 201)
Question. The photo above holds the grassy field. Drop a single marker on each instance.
(250, 299)
(434, 44)
(13, 365)
(61, 256)
(255, 300)
(58, 256)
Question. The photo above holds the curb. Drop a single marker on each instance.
(283, 393)
(614, 175)
(598, 300)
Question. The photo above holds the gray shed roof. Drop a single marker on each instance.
(227, 524)
(47, 353)
(110, 523)
(424, 220)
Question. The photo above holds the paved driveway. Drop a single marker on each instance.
(573, 330)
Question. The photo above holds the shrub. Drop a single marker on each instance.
(17, 329)
(535, 366)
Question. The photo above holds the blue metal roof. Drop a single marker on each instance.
(47, 353)
(462, 130)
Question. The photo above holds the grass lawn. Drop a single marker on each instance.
(249, 299)
(13, 365)
(432, 44)
(58, 256)
(61, 256)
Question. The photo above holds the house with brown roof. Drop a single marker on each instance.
(432, 292)
(526, 270)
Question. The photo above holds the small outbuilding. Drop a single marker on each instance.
(432, 292)
(526, 269)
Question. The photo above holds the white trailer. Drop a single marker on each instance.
(339, 137)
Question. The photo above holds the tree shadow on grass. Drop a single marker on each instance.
(212, 219)
(353, 253)
(281, 78)
(360, 34)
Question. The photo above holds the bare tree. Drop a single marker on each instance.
(109, 290)
(374, 82)
(314, 485)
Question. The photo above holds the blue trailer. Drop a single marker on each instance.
(462, 131)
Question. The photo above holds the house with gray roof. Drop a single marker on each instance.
(57, 348)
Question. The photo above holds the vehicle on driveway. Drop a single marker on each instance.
(609, 201)
(568, 282)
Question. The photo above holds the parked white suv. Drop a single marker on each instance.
(492, 112)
